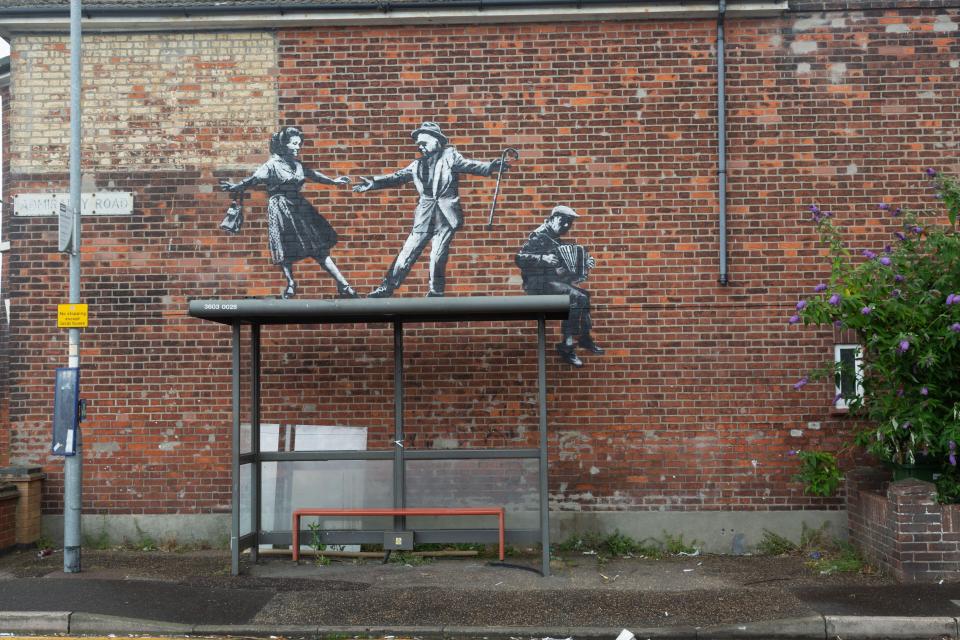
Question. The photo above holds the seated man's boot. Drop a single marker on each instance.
(587, 343)
(568, 355)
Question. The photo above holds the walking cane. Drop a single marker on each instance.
(514, 154)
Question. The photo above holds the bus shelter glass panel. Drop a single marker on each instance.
(246, 502)
(312, 437)
(511, 483)
(331, 484)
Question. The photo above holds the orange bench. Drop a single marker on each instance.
(467, 511)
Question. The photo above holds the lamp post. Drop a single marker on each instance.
(73, 465)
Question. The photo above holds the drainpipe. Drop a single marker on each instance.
(722, 143)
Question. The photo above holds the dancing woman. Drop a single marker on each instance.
(295, 229)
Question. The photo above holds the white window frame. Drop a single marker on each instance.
(841, 402)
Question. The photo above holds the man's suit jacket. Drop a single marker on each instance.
(440, 190)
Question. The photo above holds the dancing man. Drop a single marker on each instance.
(438, 214)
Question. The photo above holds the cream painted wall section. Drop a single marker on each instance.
(150, 101)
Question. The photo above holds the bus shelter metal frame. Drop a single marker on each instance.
(398, 312)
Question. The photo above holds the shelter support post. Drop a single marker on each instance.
(544, 486)
(399, 477)
(255, 437)
(235, 458)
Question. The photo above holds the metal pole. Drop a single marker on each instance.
(255, 439)
(544, 484)
(73, 465)
(235, 457)
(399, 476)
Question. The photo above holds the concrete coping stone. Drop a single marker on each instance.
(808, 628)
(789, 628)
(33, 622)
(95, 623)
(21, 473)
(872, 627)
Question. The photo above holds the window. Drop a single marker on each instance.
(849, 373)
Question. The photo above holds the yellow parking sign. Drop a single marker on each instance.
(72, 316)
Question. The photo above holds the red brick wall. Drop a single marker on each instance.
(691, 408)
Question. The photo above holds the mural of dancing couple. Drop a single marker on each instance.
(297, 231)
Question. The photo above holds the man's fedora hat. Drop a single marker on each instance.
(564, 211)
(431, 128)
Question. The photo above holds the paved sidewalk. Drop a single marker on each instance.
(695, 597)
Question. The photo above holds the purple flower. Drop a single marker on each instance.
(887, 249)
(801, 383)
(898, 278)
(815, 555)
(801, 305)
(953, 298)
(953, 453)
(955, 327)
(794, 319)
(820, 288)
(834, 299)
(896, 212)
(866, 311)
(931, 172)
(838, 324)
(885, 261)
(903, 346)
(952, 445)
(814, 209)
(870, 255)
(906, 425)
(792, 452)
(917, 229)
(895, 293)
(884, 206)
(924, 391)
(953, 459)
(900, 235)
(828, 214)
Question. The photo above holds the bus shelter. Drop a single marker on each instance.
(254, 313)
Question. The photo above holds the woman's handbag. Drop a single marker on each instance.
(233, 221)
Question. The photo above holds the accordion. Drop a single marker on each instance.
(575, 260)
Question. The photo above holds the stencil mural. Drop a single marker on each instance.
(438, 215)
(549, 266)
(295, 229)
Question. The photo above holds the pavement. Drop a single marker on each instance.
(687, 597)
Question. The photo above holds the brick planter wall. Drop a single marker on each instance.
(8, 515)
(29, 483)
(900, 527)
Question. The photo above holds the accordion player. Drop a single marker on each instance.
(575, 260)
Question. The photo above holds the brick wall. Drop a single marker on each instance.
(691, 408)
(902, 529)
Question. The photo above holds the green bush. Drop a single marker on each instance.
(819, 472)
(903, 302)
